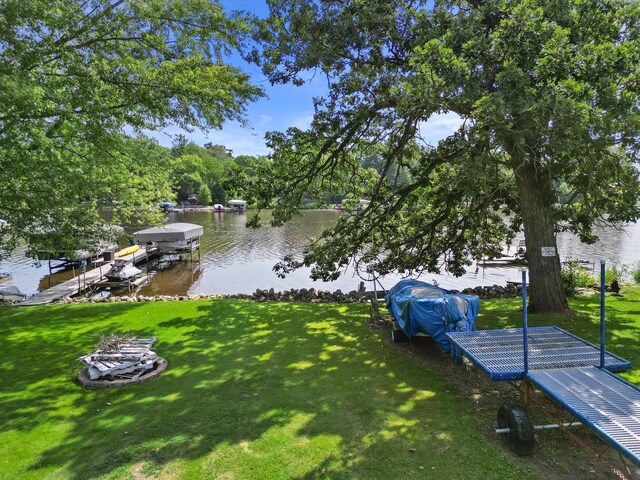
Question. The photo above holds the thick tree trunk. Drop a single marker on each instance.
(536, 201)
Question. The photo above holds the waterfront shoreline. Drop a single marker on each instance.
(293, 295)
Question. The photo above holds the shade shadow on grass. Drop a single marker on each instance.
(252, 391)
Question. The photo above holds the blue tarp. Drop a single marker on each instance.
(420, 307)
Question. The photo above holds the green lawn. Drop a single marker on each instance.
(254, 390)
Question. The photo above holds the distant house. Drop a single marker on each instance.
(237, 205)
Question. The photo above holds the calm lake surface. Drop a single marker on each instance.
(236, 259)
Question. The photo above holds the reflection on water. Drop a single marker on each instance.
(236, 259)
(49, 281)
(176, 279)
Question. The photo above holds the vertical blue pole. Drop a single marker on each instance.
(525, 334)
(602, 290)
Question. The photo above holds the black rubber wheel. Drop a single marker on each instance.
(520, 439)
(398, 336)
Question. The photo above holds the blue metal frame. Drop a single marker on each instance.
(621, 366)
(553, 395)
(493, 375)
(602, 290)
(624, 364)
(525, 321)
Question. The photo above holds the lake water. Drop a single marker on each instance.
(237, 259)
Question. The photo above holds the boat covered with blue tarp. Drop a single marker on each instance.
(421, 307)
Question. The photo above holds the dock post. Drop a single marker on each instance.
(602, 292)
(525, 333)
(375, 308)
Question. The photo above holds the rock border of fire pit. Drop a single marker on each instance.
(85, 381)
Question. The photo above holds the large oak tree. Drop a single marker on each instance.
(75, 75)
(548, 92)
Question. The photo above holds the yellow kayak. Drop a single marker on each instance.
(127, 251)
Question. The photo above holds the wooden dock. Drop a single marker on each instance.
(501, 262)
(80, 283)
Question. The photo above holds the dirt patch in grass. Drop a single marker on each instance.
(556, 455)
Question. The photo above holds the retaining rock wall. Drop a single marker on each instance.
(294, 295)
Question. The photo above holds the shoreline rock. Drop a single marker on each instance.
(304, 295)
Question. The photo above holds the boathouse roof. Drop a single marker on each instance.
(172, 232)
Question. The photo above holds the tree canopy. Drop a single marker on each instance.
(548, 93)
(76, 75)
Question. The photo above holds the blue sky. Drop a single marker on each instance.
(283, 107)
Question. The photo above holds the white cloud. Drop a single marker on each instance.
(250, 141)
(241, 140)
(439, 126)
(302, 122)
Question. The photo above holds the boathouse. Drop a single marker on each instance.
(237, 205)
(172, 238)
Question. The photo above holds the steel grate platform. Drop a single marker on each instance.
(499, 353)
(602, 401)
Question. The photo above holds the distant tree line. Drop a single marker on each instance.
(204, 174)
(211, 174)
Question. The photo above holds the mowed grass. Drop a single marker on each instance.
(253, 390)
(256, 390)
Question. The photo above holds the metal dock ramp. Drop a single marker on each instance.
(500, 353)
(572, 372)
(605, 403)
